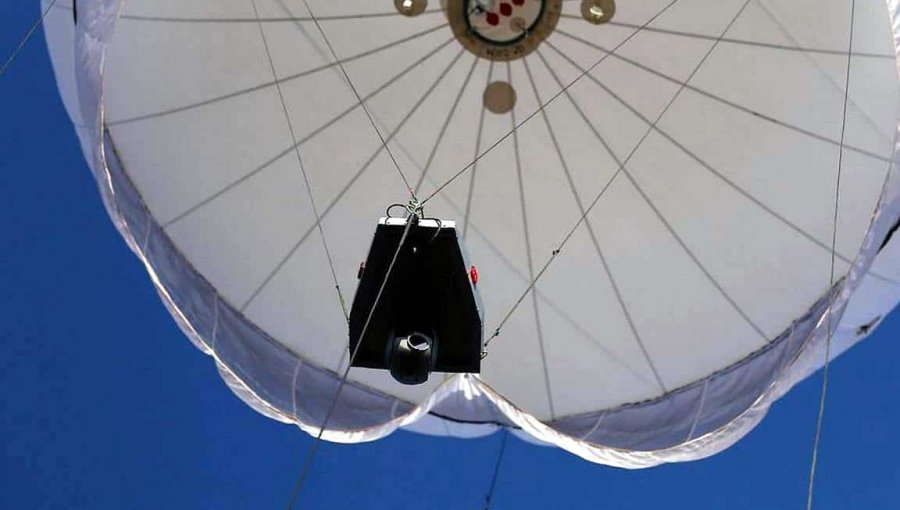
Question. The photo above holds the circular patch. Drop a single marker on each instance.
(499, 97)
(502, 30)
(410, 7)
(598, 11)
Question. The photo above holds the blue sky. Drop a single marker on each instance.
(105, 405)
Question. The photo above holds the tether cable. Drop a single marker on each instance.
(304, 472)
(831, 326)
(25, 38)
(490, 494)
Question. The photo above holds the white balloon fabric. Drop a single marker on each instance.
(666, 172)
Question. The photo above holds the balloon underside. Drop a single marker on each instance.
(686, 170)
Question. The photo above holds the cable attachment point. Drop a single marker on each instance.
(487, 342)
(413, 208)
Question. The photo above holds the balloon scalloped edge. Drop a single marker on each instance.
(96, 24)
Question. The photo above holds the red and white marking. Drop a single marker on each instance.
(505, 19)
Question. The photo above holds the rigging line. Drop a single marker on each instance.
(547, 301)
(137, 17)
(306, 138)
(628, 318)
(659, 214)
(719, 174)
(874, 125)
(309, 192)
(477, 150)
(310, 457)
(440, 137)
(353, 180)
(595, 427)
(490, 493)
(837, 197)
(26, 38)
(621, 169)
(743, 42)
(528, 250)
(724, 101)
(542, 106)
(285, 79)
(307, 37)
(412, 192)
(699, 413)
(653, 206)
(553, 255)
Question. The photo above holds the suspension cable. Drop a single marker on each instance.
(490, 494)
(414, 210)
(26, 37)
(301, 479)
(544, 105)
(384, 144)
(308, 186)
(831, 326)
